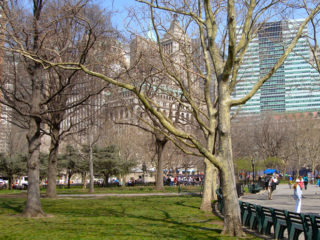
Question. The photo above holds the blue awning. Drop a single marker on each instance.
(270, 171)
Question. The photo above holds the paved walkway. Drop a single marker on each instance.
(121, 195)
(282, 199)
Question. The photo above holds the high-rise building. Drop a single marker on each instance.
(5, 124)
(145, 60)
(294, 87)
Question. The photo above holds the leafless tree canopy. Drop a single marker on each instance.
(224, 30)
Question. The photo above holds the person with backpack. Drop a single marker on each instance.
(272, 185)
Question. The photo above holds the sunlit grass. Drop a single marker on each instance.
(111, 218)
(135, 189)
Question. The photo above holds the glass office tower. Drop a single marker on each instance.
(295, 87)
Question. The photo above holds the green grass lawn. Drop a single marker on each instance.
(97, 190)
(111, 218)
(135, 189)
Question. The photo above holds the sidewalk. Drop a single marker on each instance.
(122, 195)
(282, 199)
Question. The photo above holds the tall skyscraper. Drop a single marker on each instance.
(5, 125)
(295, 86)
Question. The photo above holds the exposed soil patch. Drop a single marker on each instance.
(15, 195)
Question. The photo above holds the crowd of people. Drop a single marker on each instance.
(170, 180)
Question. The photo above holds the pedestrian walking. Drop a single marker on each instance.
(272, 184)
(318, 180)
(300, 182)
(266, 182)
(297, 195)
(290, 182)
(305, 182)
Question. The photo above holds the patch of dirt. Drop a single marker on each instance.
(219, 223)
(16, 195)
(38, 217)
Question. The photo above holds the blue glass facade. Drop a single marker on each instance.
(295, 86)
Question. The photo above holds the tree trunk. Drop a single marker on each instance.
(84, 180)
(206, 204)
(69, 179)
(232, 216)
(160, 144)
(106, 179)
(91, 186)
(214, 183)
(33, 205)
(10, 181)
(52, 165)
(313, 171)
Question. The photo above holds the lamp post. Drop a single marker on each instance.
(252, 162)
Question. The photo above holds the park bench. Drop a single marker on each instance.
(254, 188)
(315, 225)
(280, 223)
(298, 223)
(245, 214)
(264, 219)
(253, 216)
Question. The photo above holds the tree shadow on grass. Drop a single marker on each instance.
(188, 230)
(182, 203)
(17, 207)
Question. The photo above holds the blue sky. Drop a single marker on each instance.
(120, 10)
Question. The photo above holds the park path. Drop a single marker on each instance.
(121, 195)
(282, 199)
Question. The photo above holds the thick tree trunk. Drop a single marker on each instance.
(232, 221)
(84, 180)
(206, 204)
(33, 205)
(232, 216)
(209, 187)
(214, 183)
(10, 181)
(69, 179)
(52, 164)
(106, 179)
(160, 144)
(91, 186)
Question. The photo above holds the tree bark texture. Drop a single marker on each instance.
(69, 179)
(33, 205)
(232, 216)
(52, 165)
(84, 180)
(160, 144)
(91, 186)
(106, 179)
(206, 203)
(209, 187)
(10, 182)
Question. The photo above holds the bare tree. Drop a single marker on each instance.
(132, 143)
(46, 96)
(212, 115)
(34, 71)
